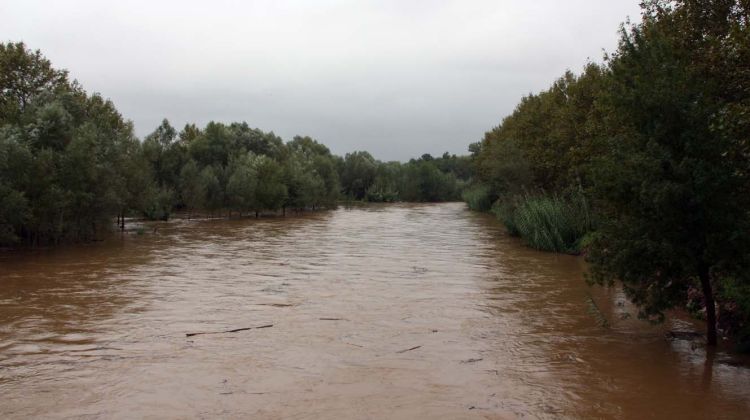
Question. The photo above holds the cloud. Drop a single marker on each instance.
(397, 78)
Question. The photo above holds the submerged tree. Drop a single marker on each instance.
(357, 174)
(242, 183)
(270, 191)
(63, 153)
(657, 141)
(193, 187)
(70, 164)
(674, 186)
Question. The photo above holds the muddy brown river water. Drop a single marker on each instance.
(392, 311)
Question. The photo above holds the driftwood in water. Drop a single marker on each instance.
(683, 335)
(404, 351)
(229, 331)
(332, 319)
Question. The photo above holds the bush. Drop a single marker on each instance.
(734, 311)
(547, 222)
(478, 197)
(504, 209)
(381, 195)
(158, 204)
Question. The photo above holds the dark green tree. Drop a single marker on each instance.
(241, 183)
(357, 174)
(24, 74)
(673, 187)
(270, 191)
(193, 187)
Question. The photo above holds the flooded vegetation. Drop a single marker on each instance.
(385, 311)
(219, 270)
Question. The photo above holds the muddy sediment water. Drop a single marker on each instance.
(393, 311)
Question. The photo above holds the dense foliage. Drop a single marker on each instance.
(657, 139)
(547, 222)
(70, 164)
(426, 179)
(65, 156)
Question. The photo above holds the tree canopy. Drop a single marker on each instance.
(656, 140)
(70, 163)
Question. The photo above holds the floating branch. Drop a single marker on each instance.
(404, 351)
(683, 335)
(597, 313)
(229, 331)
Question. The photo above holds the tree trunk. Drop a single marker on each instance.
(708, 368)
(708, 296)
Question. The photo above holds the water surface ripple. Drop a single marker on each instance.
(392, 311)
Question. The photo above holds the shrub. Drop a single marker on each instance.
(478, 197)
(734, 311)
(381, 195)
(547, 222)
(158, 204)
(504, 209)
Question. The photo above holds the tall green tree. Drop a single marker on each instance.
(242, 183)
(24, 74)
(193, 187)
(214, 198)
(673, 187)
(357, 174)
(270, 191)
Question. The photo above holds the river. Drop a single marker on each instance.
(385, 311)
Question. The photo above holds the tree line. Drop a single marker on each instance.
(70, 164)
(642, 163)
(426, 179)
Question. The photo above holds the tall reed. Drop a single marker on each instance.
(547, 222)
(478, 197)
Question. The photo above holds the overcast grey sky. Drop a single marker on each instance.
(396, 78)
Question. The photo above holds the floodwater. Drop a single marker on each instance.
(392, 311)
